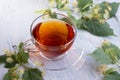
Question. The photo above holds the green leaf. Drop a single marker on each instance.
(7, 76)
(2, 59)
(19, 58)
(98, 29)
(22, 56)
(101, 57)
(11, 75)
(112, 51)
(8, 65)
(114, 7)
(60, 4)
(53, 15)
(32, 74)
(107, 54)
(109, 71)
(84, 4)
(112, 76)
(81, 24)
(21, 46)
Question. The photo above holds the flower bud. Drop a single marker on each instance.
(102, 21)
(21, 71)
(43, 73)
(105, 42)
(106, 11)
(106, 16)
(96, 11)
(75, 3)
(76, 9)
(52, 4)
(102, 68)
(109, 8)
(9, 60)
(8, 53)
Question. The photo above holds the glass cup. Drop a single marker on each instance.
(52, 36)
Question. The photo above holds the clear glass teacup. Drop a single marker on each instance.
(53, 35)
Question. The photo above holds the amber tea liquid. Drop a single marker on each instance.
(51, 37)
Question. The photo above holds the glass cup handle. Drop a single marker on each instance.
(30, 47)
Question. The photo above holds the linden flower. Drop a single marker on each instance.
(106, 11)
(105, 42)
(52, 3)
(8, 53)
(21, 71)
(102, 68)
(109, 8)
(45, 11)
(76, 9)
(38, 63)
(106, 16)
(43, 73)
(97, 16)
(88, 14)
(46, 17)
(75, 3)
(9, 60)
(96, 11)
(102, 21)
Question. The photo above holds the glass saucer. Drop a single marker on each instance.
(72, 58)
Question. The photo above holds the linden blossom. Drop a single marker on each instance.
(15, 63)
(93, 14)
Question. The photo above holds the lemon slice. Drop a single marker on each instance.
(52, 28)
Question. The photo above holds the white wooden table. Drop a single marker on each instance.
(15, 19)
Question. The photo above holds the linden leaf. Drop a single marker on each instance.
(107, 54)
(114, 7)
(22, 56)
(25, 57)
(84, 4)
(98, 29)
(112, 76)
(7, 76)
(2, 59)
(101, 57)
(112, 51)
(32, 74)
(109, 71)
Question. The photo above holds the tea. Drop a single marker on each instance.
(53, 34)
